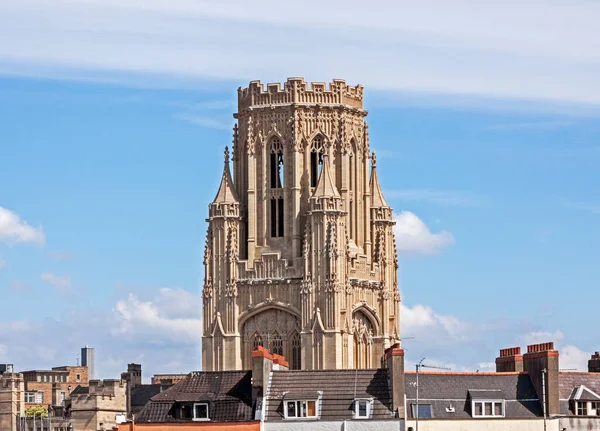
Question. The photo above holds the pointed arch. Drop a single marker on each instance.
(371, 314)
(317, 154)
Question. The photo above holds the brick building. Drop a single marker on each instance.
(52, 387)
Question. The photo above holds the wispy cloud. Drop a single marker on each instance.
(203, 121)
(199, 40)
(14, 230)
(414, 237)
(60, 282)
(440, 197)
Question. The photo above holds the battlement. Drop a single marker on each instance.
(296, 90)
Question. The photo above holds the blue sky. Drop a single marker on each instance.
(113, 120)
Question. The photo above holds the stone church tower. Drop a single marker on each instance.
(300, 252)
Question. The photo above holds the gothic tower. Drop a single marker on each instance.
(300, 251)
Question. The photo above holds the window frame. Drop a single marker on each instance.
(483, 413)
(415, 410)
(369, 408)
(30, 394)
(300, 407)
(583, 406)
(595, 406)
(194, 418)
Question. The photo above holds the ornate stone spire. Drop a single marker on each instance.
(325, 185)
(377, 199)
(226, 193)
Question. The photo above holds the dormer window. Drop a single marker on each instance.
(486, 409)
(362, 408)
(201, 412)
(297, 409)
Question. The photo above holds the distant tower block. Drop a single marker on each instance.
(300, 254)
(87, 360)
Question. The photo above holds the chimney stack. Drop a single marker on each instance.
(262, 365)
(510, 360)
(594, 363)
(394, 361)
(541, 357)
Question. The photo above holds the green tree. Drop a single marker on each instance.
(36, 411)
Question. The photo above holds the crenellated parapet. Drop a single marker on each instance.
(297, 91)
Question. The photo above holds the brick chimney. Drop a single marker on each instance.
(262, 364)
(394, 361)
(594, 363)
(539, 357)
(510, 360)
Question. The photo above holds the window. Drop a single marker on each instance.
(581, 408)
(595, 408)
(276, 164)
(300, 409)
(296, 351)
(277, 344)
(78, 377)
(362, 409)
(316, 160)
(62, 397)
(276, 217)
(201, 412)
(185, 411)
(484, 409)
(30, 397)
(39, 397)
(423, 412)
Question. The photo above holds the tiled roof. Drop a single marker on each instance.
(568, 381)
(229, 394)
(443, 390)
(339, 389)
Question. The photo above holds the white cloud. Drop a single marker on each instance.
(431, 328)
(441, 197)
(173, 316)
(413, 236)
(538, 337)
(572, 358)
(14, 230)
(61, 282)
(2, 264)
(484, 48)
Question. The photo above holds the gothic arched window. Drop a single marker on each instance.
(296, 352)
(276, 344)
(258, 341)
(316, 160)
(276, 164)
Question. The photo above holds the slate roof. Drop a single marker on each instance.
(568, 381)
(141, 394)
(80, 390)
(229, 394)
(339, 389)
(444, 389)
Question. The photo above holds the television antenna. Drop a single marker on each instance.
(420, 365)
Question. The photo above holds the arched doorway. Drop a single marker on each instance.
(275, 329)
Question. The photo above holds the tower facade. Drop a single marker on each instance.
(300, 253)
